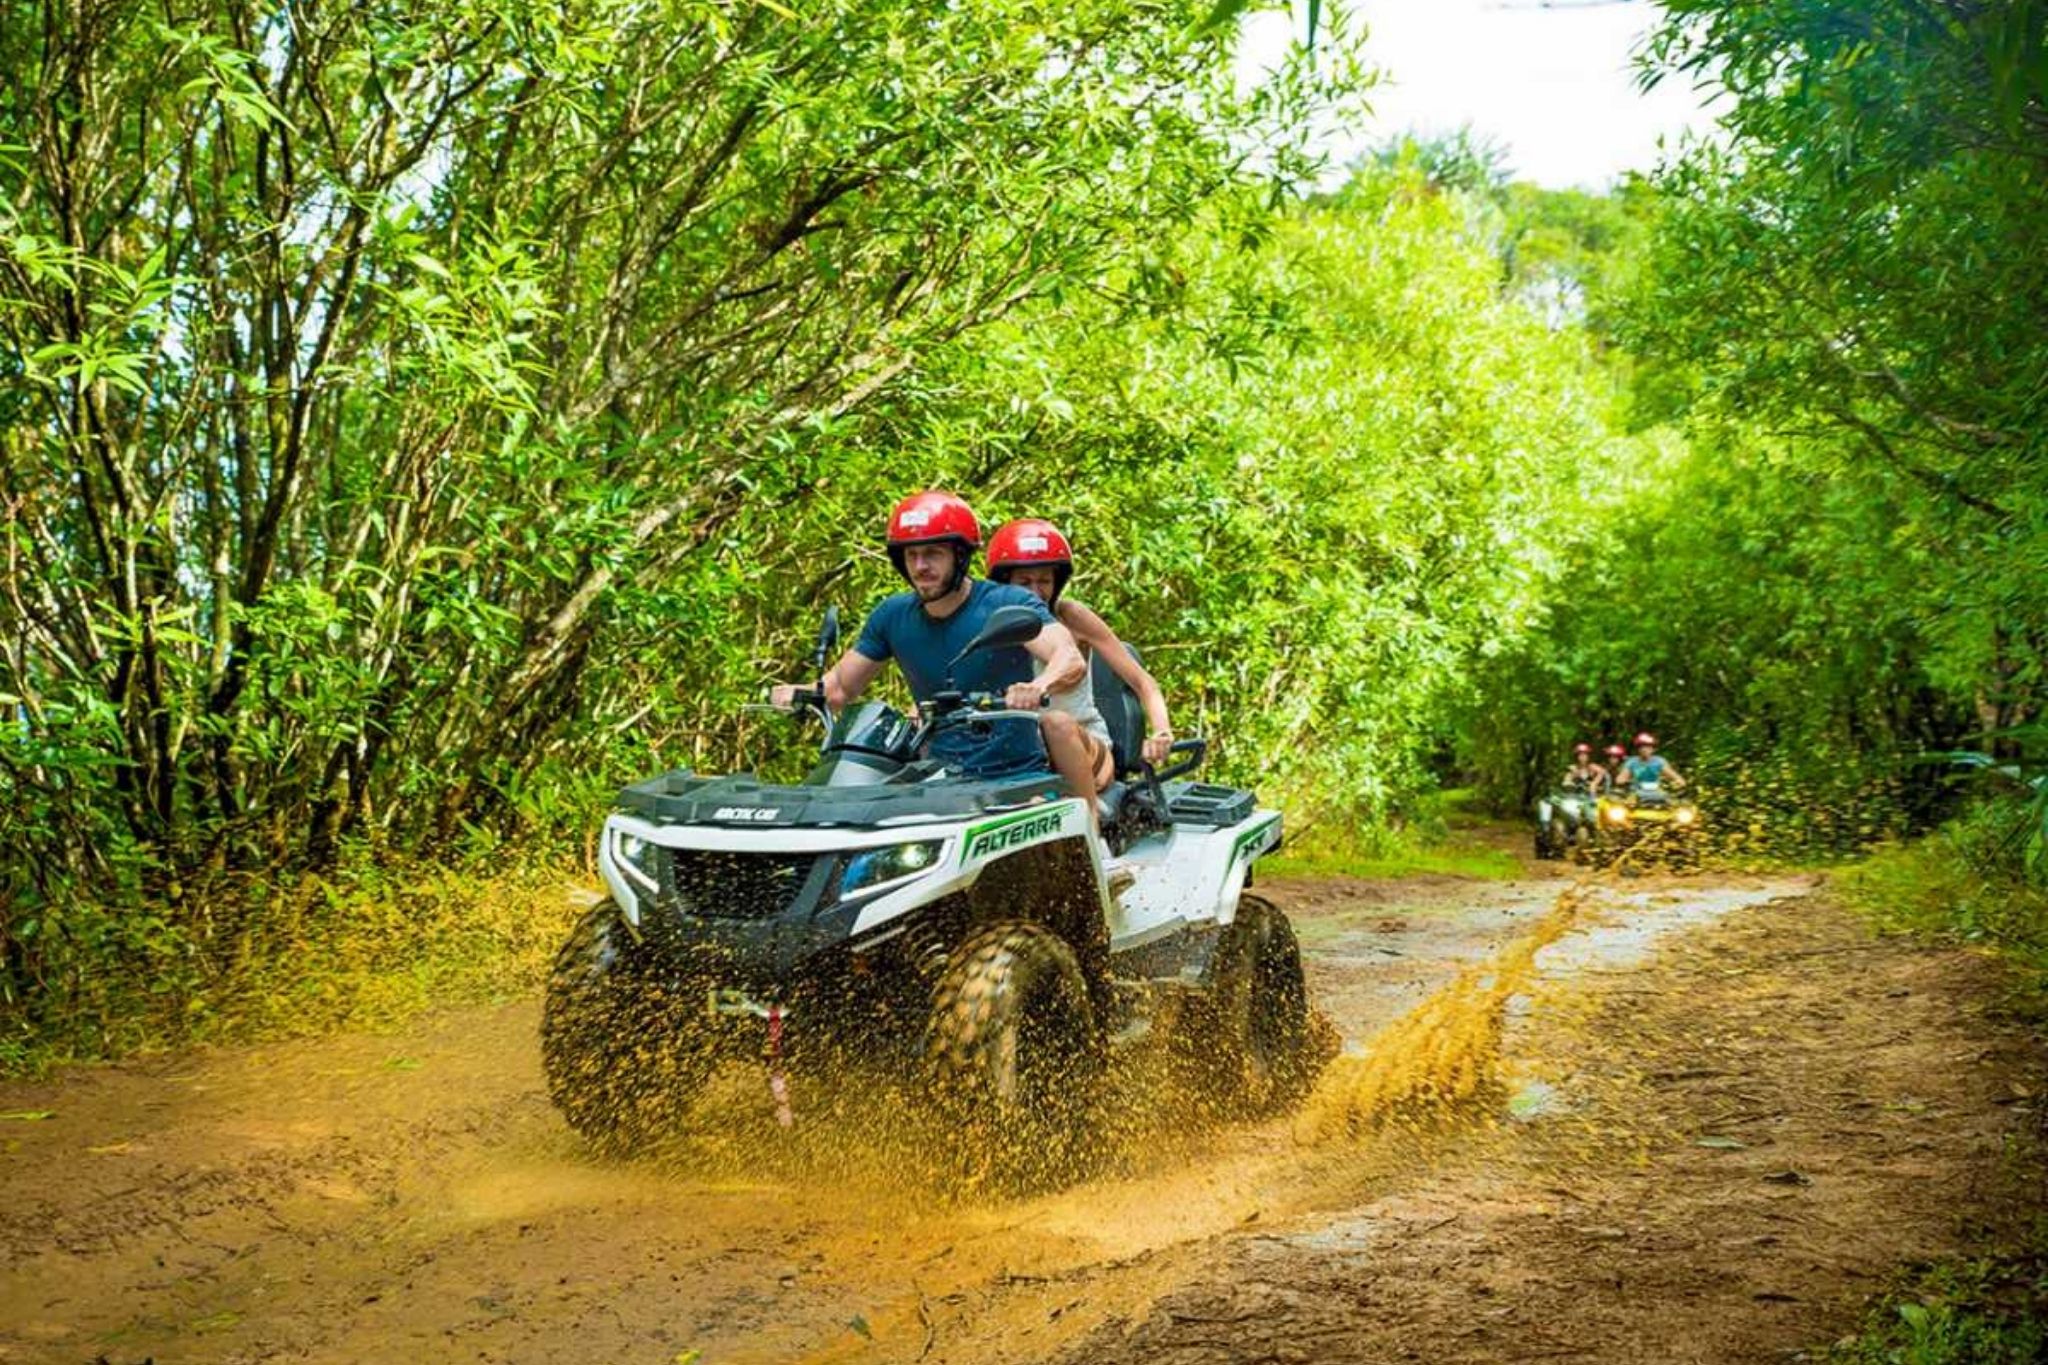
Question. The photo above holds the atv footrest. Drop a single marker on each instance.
(1204, 803)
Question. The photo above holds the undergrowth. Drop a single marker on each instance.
(260, 958)
(1969, 882)
(1972, 882)
(1967, 1311)
(1441, 840)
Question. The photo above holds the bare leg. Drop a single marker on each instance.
(1069, 755)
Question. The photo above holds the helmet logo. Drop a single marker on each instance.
(915, 517)
(1032, 544)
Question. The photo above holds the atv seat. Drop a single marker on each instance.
(1129, 808)
(1121, 714)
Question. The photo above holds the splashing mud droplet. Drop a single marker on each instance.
(1441, 1055)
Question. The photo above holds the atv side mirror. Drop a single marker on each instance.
(828, 636)
(1007, 627)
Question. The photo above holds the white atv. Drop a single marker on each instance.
(974, 932)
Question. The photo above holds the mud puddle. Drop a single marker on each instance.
(414, 1196)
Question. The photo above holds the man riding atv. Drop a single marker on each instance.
(932, 539)
(927, 906)
(1644, 801)
(1648, 770)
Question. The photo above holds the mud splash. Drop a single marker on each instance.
(1443, 1054)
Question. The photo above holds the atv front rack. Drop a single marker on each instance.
(680, 798)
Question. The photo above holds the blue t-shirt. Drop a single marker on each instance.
(1646, 772)
(922, 647)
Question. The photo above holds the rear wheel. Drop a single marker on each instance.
(620, 1047)
(1257, 1054)
(1015, 1061)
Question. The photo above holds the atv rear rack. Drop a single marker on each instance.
(1207, 805)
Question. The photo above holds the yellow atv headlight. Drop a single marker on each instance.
(1617, 815)
(1685, 815)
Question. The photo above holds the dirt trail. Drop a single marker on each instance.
(413, 1197)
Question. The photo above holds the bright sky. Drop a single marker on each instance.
(1551, 82)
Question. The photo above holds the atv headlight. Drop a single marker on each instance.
(1685, 815)
(873, 867)
(636, 860)
(1617, 815)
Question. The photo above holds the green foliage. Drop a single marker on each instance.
(1346, 462)
(1970, 882)
(1837, 560)
(1463, 161)
(1762, 624)
(1855, 286)
(1985, 1311)
(409, 410)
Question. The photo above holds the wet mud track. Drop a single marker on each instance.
(1715, 1113)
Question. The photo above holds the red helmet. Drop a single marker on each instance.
(934, 518)
(1646, 738)
(923, 518)
(1582, 748)
(1616, 751)
(1029, 542)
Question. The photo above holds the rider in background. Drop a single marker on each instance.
(1650, 769)
(1034, 555)
(1584, 775)
(1617, 765)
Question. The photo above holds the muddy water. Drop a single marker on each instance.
(414, 1197)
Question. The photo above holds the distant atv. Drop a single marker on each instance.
(1567, 822)
(1663, 825)
(972, 934)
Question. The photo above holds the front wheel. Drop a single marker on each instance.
(1257, 1054)
(621, 1048)
(1015, 1061)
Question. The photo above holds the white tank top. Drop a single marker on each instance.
(1078, 702)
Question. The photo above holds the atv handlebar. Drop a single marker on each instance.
(807, 696)
(948, 709)
(951, 703)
